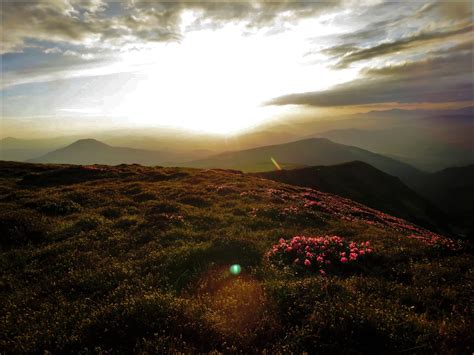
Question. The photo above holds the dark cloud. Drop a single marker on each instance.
(440, 79)
(341, 49)
(441, 67)
(392, 47)
(364, 92)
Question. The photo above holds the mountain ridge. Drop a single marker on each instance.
(309, 151)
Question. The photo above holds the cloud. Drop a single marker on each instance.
(89, 21)
(460, 10)
(51, 20)
(439, 79)
(53, 50)
(383, 49)
(388, 30)
(440, 66)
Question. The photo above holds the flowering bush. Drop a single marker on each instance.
(349, 211)
(437, 242)
(321, 253)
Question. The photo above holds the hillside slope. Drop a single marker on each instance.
(91, 151)
(452, 190)
(314, 151)
(363, 183)
(135, 259)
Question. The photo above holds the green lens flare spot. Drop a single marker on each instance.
(235, 269)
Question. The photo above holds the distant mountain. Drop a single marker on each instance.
(91, 151)
(15, 149)
(21, 154)
(365, 184)
(313, 151)
(452, 190)
(428, 148)
(418, 113)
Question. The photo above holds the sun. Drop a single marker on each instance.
(218, 81)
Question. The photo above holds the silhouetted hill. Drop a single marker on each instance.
(313, 151)
(91, 151)
(452, 190)
(363, 183)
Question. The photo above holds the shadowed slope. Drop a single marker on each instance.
(365, 184)
(452, 190)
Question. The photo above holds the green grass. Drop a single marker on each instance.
(128, 258)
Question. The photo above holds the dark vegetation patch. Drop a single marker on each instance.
(111, 212)
(163, 207)
(135, 259)
(65, 176)
(194, 200)
(21, 227)
(54, 206)
(145, 196)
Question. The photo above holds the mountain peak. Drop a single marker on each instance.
(88, 142)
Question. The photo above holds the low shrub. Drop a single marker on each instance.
(111, 212)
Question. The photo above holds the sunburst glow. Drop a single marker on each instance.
(218, 81)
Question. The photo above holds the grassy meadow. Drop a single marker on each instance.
(100, 259)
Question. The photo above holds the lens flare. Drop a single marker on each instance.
(275, 163)
(235, 269)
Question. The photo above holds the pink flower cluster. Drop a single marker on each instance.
(94, 167)
(436, 241)
(288, 211)
(174, 217)
(354, 212)
(309, 202)
(225, 190)
(253, 212)
(320, 253)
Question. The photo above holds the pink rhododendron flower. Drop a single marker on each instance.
(330, 252)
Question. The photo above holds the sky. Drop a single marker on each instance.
(226, 66)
